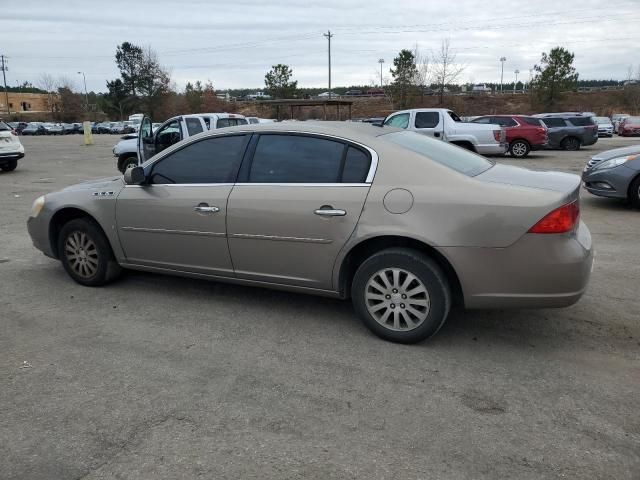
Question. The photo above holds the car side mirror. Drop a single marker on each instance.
(134, 176)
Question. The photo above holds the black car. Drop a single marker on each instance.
(67, 128)
(569, 131)
(34, 128)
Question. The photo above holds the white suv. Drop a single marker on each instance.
(11, 150)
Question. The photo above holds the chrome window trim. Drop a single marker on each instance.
(281, 184)
(183, 185)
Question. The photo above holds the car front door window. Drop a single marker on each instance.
(168, 135)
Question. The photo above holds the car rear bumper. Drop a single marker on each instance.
(538, 271)
(12, 155)
(492, 149)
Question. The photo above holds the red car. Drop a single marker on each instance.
(629, 127)
(523, 133)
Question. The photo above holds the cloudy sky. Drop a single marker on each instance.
(234, 43)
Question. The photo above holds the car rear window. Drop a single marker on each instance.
(456, 158)
(532, 121)
(581, 121)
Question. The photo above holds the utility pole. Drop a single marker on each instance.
(515, 84)
(381, 61)
(4, 77)
(86, 95)
(328, 36)
(502, 60)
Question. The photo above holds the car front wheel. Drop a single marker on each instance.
(86, 254)
(634, 193)
(128, 163)
(9, 166)
(401, 295)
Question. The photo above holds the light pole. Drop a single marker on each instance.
(502, 60)
(328, 36)
(381, 61)
(515, 84)
(86, 95)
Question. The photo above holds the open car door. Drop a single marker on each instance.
(146, 143)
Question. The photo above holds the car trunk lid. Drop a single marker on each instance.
(565, 183)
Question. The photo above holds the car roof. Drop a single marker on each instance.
(356, 131)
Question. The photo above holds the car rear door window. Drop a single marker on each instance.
(532, 121)
(194, 126)
(296, 159)
(554, 122)
(400, 121)
(212, 160)
(427, 119)
(356, 166)
(504, 121)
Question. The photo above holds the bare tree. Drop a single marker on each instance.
(444, 68)
(47, 83)
(422, 77)
(631, 90)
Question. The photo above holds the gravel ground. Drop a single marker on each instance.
(156, 377)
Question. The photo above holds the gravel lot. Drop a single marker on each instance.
(157, 377)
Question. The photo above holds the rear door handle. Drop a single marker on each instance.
(206, 209)
(327, 211)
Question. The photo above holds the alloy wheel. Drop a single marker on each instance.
(397, 299)
(82, 254)
(519, 149)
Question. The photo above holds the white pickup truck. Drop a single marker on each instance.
(446, 125)
(170, 132)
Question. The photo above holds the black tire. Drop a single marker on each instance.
(634, 193)
(124, 163)
(427, 275)
(10, 166)
(100, 266)
(519, 148)
(571, 144)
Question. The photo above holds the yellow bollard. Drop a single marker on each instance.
(88, 136)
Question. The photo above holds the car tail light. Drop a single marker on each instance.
(561, 220)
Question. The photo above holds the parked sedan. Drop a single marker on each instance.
(615, 174)
(605, 127)
(523, 133)
(34, 128)
(629, 127)
(53, 129)
(403, 224)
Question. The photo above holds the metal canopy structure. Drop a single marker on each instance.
(299, 104)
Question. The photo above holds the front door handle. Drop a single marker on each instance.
(204, 208)
(329, 211)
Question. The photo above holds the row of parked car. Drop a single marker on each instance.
(48, 128)
(45, 128)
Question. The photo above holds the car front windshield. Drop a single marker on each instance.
(601, 120)
(4, 126)
(451, 156)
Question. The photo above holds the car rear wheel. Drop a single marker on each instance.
(571, 143)
(86, 254)
(519, 149)
(634, 193)
(9, 166)
(401, 295)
